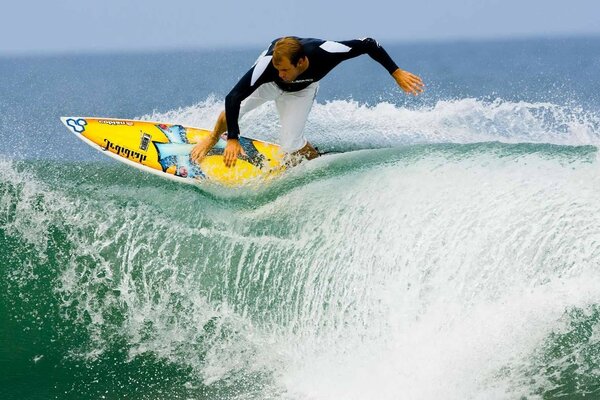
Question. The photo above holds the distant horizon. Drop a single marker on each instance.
(258, 45)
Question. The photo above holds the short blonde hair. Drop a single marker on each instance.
(288, 47)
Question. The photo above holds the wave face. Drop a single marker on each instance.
(422, 271)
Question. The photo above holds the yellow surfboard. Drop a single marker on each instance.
(164, 149)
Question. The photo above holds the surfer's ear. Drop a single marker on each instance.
(301, 62)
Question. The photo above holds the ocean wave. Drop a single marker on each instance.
(384, 268)
(348, 125)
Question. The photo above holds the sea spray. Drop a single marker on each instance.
(343, 125)
(472, 256)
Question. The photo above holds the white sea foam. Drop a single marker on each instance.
(445, 284)
(423, 276)
(347, 125)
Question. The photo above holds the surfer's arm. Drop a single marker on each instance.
(244, 88)
(372, 48)
(219, 129)
(220, 126)
(228, 121)
(203, 147)
(407, 81)
(233, 102)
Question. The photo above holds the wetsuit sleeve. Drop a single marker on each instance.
(233, 100)
(373, 49)
(261, 72)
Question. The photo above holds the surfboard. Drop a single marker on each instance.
(164, 149)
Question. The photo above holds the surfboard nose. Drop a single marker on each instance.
(65, 121)
(75, 124)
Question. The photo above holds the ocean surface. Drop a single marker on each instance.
(451, 251)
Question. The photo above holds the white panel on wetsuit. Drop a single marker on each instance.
(259, 68)
(334, 47)
(264, 53)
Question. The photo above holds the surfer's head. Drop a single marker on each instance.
(289, 58)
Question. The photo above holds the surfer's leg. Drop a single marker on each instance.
(293, 109)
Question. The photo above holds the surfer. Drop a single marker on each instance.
(288, 72)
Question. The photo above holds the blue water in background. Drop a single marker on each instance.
(39, 89)
(451, 251)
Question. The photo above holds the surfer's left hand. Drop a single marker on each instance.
(410, 83)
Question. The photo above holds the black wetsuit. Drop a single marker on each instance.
(323, 56)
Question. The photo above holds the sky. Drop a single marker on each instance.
(70, 26)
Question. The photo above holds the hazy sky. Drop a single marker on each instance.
(107, 25)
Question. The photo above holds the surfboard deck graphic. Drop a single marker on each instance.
(164, 149)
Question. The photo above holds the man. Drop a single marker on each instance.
(288, 72)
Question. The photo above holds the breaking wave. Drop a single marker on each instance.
(421, 271)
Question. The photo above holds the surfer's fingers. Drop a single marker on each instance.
(229, 157)
(415, 80)
(417, 89)
(194, 155)
(410, 89)
(409, 86)
(416, 86)
(198, 152)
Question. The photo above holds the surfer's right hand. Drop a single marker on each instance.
(232, 151)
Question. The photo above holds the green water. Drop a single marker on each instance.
(477, 263)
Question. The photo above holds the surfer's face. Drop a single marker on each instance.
(289, 72)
